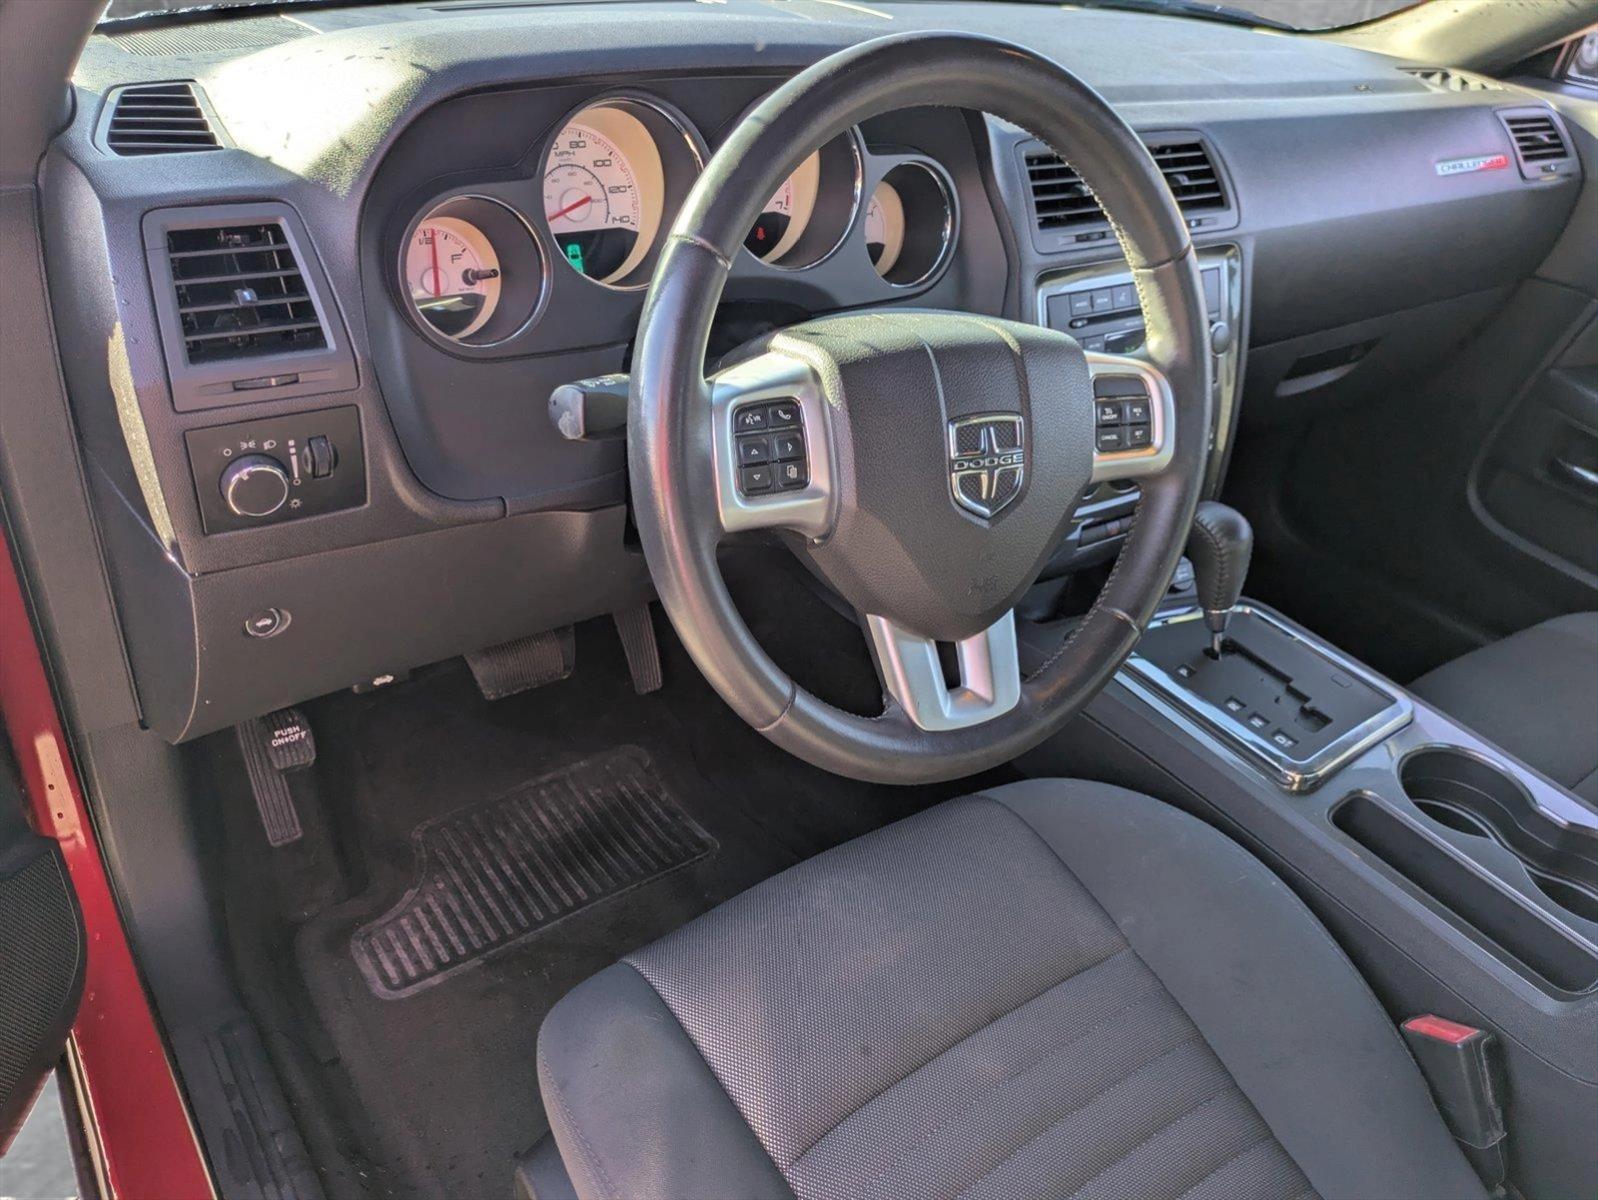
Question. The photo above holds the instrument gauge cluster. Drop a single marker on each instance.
(616, 172)
(520, 264)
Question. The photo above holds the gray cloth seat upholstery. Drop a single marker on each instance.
(1051, 989)
(1535, 693)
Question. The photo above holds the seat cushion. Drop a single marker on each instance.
(1535, 693)
(1053, 989)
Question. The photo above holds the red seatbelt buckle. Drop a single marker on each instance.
(1441, 1029)
(1461, 1065)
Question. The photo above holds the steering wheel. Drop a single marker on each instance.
(944, 453)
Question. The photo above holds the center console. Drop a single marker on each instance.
(1460, 881)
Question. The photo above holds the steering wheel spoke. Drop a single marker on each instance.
(990, 674)
(770, 447)
(1134, 418)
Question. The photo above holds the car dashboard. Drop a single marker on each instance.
(327, 269)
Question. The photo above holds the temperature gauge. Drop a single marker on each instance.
(884, 227)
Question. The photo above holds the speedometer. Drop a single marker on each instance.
(603, 192)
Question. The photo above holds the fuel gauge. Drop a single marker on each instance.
(454, 275)
(471, 271)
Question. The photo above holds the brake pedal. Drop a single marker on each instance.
(274, 746)
(638, 643)
(524, 664)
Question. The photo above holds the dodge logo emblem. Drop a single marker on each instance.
(987, 461)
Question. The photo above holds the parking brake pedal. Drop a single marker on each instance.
(274, 746)
(524, 664)
(638, 642)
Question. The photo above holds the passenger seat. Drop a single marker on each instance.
(1535, 693)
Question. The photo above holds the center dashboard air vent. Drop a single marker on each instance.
(1447, 79)
(1542, 151)
(244, 307)
(159, 118)
(1066, 211)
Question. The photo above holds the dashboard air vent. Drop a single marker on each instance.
(1443, 79)
(1062, 201)
(159, 118)
(241, 293)
(1537, 139)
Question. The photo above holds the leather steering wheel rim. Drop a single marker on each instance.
(671, 471)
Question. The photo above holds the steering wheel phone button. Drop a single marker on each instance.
(791, 476)
(784, 412)
(752, 481)
(754, 450)
(788, 445)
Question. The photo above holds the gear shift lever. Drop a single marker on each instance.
(1219, 546)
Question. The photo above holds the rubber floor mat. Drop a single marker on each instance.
(494, 874)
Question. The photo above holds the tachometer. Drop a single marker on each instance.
(787, 215)
(453, 274)
(603, 192)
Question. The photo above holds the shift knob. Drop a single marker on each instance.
(1219, 546)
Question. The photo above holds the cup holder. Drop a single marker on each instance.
(1472, 796)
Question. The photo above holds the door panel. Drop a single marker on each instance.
(41, 957)
(1536, 485)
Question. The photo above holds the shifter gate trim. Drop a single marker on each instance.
(1155, 687)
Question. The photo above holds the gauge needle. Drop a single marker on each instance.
(570, 208)
(438, 283)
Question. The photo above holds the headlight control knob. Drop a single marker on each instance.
(255, 485)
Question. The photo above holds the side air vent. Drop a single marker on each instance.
(1445, 79)
(1061, 202)
(1537, 139)
(245, 309)
(1541, 149)
(160, 118)
(241, 293)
